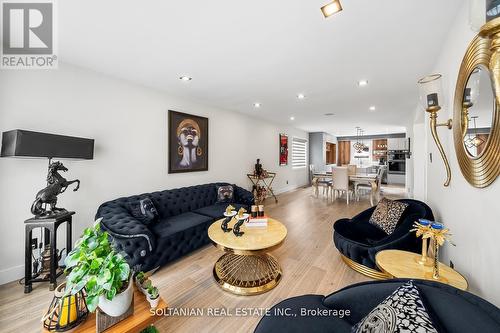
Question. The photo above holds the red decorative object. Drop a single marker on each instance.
(283, 149)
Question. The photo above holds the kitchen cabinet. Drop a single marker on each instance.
(397, 144)
(396, 179)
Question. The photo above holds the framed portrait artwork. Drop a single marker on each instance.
(283, 149)
(187, 142)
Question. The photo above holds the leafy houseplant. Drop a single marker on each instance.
(142, 281)
(95, 266)
(153, 296)
(150, 329)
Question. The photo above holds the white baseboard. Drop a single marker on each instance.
(11, 274)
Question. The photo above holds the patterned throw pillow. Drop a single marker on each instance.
(144, 210)
(225, 194)
(387, 214)
(402, 312)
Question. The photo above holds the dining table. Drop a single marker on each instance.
(357, 178)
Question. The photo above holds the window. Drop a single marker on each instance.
(299, 153)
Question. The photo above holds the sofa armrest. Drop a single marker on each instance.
(243, 196)
(129, 235)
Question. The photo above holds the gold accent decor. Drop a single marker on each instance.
(433, 114)
(422, 229)
(482, 170)
(367, 271)
(246, 268)
(247, 274)
(403, 265)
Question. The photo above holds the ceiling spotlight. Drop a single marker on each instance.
(292, 118)
(362, 83)
(185, 78)
(256, 105)
(331, 8)
(301, 96)
(372, 108)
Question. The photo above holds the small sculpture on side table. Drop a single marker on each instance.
(56, 184)
(229, 213)
(240, 218)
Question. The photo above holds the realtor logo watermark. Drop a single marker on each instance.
(28, 34)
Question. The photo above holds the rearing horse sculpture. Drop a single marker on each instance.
(56, 184)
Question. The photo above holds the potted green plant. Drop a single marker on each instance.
(104, 273)
(141, 282)
(153, 296)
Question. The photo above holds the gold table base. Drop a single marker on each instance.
(247, 274)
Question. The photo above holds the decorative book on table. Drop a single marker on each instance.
(260, 221)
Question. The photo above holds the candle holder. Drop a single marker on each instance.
(430, 92)
(65, 312)
(422, 229)
(439, 236)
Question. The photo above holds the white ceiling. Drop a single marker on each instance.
(241, 52)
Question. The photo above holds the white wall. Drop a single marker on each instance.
(472, 214)
(129, 125)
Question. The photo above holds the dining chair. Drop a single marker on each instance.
(365, 187)
(341, 183)
(352, 169)
(326, 184)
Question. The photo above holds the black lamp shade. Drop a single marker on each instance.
(22, 143)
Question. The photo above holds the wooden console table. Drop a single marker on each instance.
(266, 182)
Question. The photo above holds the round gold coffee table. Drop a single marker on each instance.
(246, 268)
(404, 264)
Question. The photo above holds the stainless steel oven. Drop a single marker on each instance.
(397, 166)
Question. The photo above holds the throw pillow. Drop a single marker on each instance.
(225, 194)
(144, 210)
(402, 311)
(387, 214)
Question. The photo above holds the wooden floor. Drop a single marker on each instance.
(309, 261)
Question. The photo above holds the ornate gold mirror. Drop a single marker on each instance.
(476, 111)
(479, 108)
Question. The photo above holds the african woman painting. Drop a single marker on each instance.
(188, 142)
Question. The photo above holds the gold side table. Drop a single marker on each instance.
(246, 268)
(404, 264)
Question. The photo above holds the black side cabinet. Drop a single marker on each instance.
(50, 225)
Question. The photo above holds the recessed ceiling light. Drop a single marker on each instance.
(331, 8)
(256, 105)
(329, 114)
(362, 83)
(292, 118)
(301, 96)
(373, 108)
(185, 78)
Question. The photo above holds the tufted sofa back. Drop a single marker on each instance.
(176, 201)
(182, 200)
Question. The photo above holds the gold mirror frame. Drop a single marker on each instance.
(482, 170)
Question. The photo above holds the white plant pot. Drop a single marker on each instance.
(140, 287)
(120, 303)
(154, 302)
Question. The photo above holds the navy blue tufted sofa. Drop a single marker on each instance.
(452, 310)
(184, 217)
(358, 241)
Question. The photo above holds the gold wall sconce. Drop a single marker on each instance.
(430, 94)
